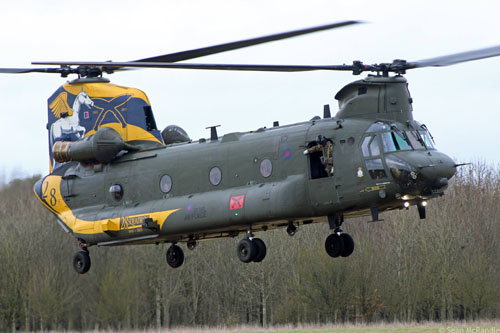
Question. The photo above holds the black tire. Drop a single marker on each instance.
(175, 256)
(261, 249)
(81, 262)
(247, 250)
(348, 245)
(334, 245)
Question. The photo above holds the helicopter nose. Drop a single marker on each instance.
(440, 169)
(421, 172)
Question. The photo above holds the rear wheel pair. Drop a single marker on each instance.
(81, 262)
(339, 245)
(251, 250)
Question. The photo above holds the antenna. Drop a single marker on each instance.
(213, 132)
(326, 111)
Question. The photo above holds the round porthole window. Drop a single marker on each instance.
(165, 183)
(116, 191)
(215, 176)
(266, 167)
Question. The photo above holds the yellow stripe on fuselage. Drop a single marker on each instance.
(53, 200)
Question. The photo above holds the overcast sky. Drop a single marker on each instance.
(460, 104)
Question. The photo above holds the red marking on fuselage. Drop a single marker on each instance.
(237, 202)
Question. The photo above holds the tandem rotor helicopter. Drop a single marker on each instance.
(115, 179)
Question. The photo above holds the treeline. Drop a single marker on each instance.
(403, 269)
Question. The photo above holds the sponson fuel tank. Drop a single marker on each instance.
(103, 146)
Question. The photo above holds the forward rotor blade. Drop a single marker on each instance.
(205, 51)
(456, 58)
(64, 71)
(228, 67)
(29, 70)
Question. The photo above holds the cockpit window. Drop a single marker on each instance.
(364, 146)
(374, 148)
(387, 142)
(376, 169)
(377, 127)
(429, 143)
(401, 142)
(393, 141)
(416, 140)
(370, 146)
(426, 136)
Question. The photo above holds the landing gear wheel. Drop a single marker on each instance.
(261, 249)
(81, 262)
(247, 250)
(348, 245)
(175, 256)
(334, 245)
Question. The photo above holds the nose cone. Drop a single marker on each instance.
(441, 168)
(421, 172)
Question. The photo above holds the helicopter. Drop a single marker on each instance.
(116, 179)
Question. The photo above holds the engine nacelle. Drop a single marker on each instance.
(102, 147)
(174, 134)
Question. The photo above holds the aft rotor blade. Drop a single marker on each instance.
(227, 67)
(205, 51)
(456, 58)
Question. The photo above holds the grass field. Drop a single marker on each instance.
(451, 327)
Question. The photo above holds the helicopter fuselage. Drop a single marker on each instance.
(257, 180)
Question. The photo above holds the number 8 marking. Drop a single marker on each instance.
(53, 200)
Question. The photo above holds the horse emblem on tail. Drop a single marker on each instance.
(67, 126)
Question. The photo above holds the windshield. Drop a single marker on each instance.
(429, 142)
(396, 139)
(393, 141)
(416, 140)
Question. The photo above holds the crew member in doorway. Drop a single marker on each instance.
(325, 146)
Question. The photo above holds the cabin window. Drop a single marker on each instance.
(165, 183)
(116, 191)
(266, 167)
(215, 176)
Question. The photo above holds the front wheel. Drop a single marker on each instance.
(334, 245)
(348, 245)
(247, 251)
(81, 262)
(175, 256)
(261, 249)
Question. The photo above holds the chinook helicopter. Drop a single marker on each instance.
(115, 179)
